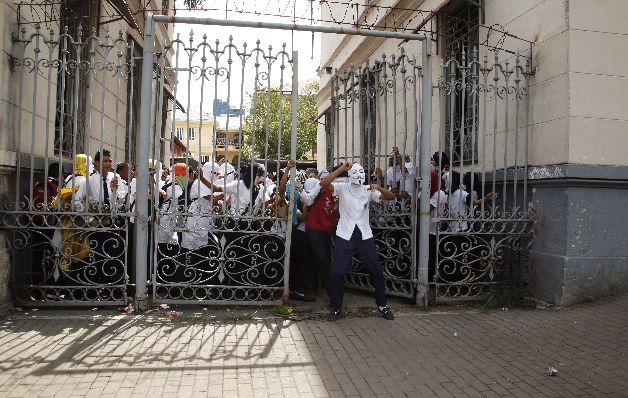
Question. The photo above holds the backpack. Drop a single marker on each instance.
(43, 194)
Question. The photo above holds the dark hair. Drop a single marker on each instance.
(391, 159)
(343, 174)
(121, 166)
(280, 175)
(455, 181)
(466, 180)
(248, 172)
(105, 152)
(442, 158)
(53, 170)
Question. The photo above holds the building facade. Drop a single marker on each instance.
(565, 58)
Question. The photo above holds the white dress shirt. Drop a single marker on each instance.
(93, 190)
(354, 209)
(438, 202)
(394, 175)
(458, 209)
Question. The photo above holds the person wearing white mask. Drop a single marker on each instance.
(354, 235)
(199, 222)
(400, 175)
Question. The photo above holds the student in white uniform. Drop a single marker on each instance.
(104, 192)
(354, 235)
(246, 200)
(438, 206)
(199, 222)
(400, 175)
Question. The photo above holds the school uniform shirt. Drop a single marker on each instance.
(438, 202)
(242, 197)
(199, 220)
(405, 181)
(354, 209)
(458, 209)
(93, 190)
(169, 218)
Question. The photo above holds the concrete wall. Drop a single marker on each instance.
(598, 74)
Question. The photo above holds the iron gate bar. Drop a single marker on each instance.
(285, 26)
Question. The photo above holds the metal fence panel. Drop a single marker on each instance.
(224, 244)
(483, 225)
(375, 109)
(68, 238)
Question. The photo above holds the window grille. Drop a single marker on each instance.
(180, 133)
(461, 34)
(71, 84)
(191, 134)
(368, 112)
(329, 136)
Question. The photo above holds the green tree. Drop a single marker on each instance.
(262, 123)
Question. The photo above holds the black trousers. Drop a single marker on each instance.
(300, 257)
(367, 251)
(320, 246)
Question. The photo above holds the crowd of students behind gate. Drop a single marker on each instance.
(188, 201)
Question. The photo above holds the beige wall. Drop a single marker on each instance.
(598, 75)
(106, 119)
(578, 107)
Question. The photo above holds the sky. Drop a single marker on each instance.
(203, 91)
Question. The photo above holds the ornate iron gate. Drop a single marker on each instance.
(72, 249)
(376, 123)
(482, 226)
(218, 245)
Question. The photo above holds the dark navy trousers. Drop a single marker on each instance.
(367, 252)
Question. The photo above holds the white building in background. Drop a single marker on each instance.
(577, 126)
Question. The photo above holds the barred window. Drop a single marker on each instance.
(460, 30)
(368, 110)
(329, 136)
(71, 84)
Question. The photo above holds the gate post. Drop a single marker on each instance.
(426, 146)
(141, 200)
(293, 172)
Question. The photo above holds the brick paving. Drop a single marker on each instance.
(444, 352)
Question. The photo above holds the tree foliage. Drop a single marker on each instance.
(262, 124)
(193, 3)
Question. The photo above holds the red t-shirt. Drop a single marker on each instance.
(323, 215)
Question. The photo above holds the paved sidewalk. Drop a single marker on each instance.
(443, 352)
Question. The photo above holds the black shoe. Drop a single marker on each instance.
(386, 313)
(301, 297)
(333, 315)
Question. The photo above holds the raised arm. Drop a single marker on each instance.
(326, 182)
(386, 194)
(208, 184)
(284, 178)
